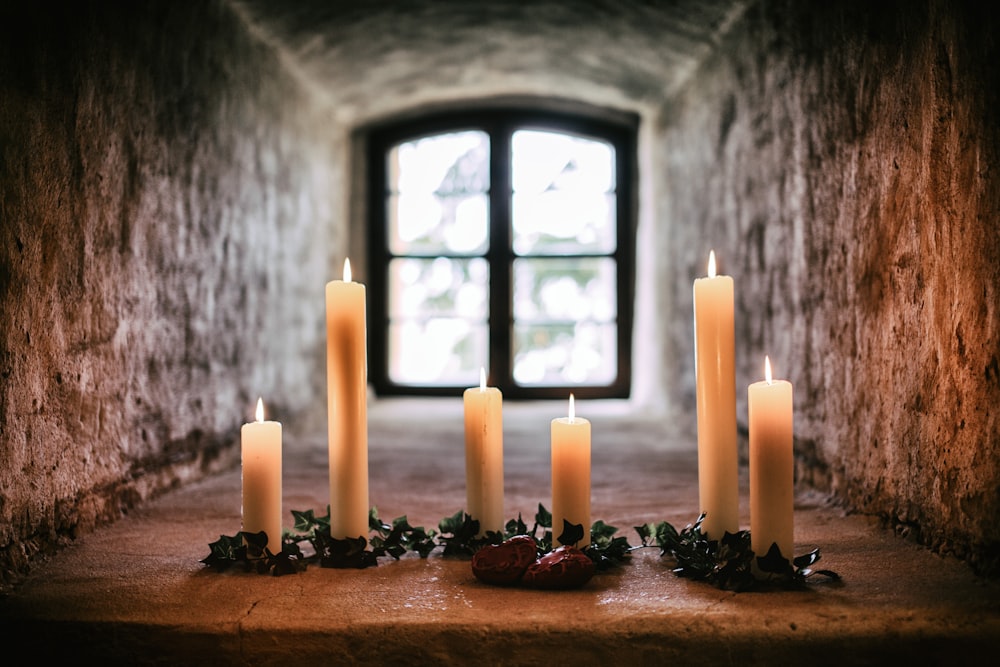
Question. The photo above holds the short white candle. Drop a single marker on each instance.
(715, 376)
(484, 455)
(772, 474)
(347, 406)
(570, 439)
(261, 464)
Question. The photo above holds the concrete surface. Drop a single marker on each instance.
(135, 592)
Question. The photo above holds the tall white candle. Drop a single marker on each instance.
(570, 440)
(484, 455)
(347, 406)
(715, 375)
(260, 443)
(772, 473)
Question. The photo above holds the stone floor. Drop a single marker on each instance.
(136, 592)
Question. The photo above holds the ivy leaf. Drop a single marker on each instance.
(225, 552)
(543, 517)
(284, 563)
(256, 544)
(605, 549)
(666, 535)
(728, 563)
(304, 521)
(543, 520)
(459, 535)
(805, 560)
(601, 532)
(572, 533)
(773, 563)
(374, 522)
(421, 541)
(515, 527)
(345, 553)
(452, 525)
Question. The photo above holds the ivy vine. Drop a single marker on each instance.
(728, 563)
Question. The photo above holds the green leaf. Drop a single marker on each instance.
(374, 523)
(350, 552)
(601, 531)
(728, 563)
(515, 527)
(605, 549)
(459, 535)
(572, 533)
(543, 517)
(256, 544)
(452, 524)
(402, 524)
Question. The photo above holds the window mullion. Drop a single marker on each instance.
(499, 257)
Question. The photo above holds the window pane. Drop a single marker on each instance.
(559, 222)
(564, 194)
(581, 353)
(442, 286)
(565, 288)
(438, 310)
(428, 224)
(438, 194)
(437, 351)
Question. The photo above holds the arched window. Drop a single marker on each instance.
(502, 239)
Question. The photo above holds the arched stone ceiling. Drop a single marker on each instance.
(375, 58)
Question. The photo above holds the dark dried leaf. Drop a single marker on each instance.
(572, 533)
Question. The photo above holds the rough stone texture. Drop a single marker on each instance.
(374, 59)
(175, 179)
(163, 203)
(842, 161)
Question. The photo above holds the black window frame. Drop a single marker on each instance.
(620, 129)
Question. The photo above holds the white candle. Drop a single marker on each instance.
(484, 455)
(570, 440)
(347, 406)
(715, 375)
(261, 461)
(772, 474)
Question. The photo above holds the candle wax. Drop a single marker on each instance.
(772, 470)
(260, 444)
(570, 440)
(484, 457)
(347, 406)
(715, 375)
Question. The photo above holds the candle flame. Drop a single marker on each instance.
(482, 379)
(572, 412)
(260, 409)
(711, 263)
(767, 369)
(347, 270)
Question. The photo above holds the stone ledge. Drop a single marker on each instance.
(136, 593)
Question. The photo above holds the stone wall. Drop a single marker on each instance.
(843, 163)
(164, 189)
